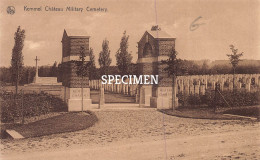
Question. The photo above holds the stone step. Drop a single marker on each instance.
(38, 86)
(14, 134)
(116, 106)
(43, 87)
(46, 80)
(122, 105)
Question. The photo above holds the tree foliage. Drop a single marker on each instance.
(17, 56)
(123, 57)
(204, 67)
(187, 67)
(104, 59)
(54, 70)
(235, 57)
(82, 65)
(172, 67)
(48, 71)
(173, 64)
(92, 65)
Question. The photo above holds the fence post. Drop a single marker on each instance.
(101, 98)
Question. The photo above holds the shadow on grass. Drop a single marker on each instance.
(69, 122)
(200, 113)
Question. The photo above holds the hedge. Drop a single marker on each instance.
(33, 105)
(237, 98)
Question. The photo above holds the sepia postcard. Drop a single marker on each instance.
(129, 79)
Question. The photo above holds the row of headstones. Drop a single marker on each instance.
(198, 84)
(195, 84)
(127, 89)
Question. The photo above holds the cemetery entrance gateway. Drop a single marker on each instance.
(154, 46)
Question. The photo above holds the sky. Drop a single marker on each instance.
(224, 22)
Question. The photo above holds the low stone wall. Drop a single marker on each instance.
(46, 80)
(56, 90)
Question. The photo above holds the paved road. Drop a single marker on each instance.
(144, 134)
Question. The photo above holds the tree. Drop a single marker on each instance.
(60, 72)
(5, 75)
(234, 59)
(17, 56)
(82, 70)
(92, 65)
(104, 59)
(123, 57)
(45, 71)
(54, 70)
(204, 68)
(82, 66)
(25, 76)
(173, 69)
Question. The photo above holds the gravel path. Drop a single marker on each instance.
(125, 126)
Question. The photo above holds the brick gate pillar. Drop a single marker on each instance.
(71, 47)
(155, 46)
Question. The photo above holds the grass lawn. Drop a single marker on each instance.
(253, 111)
(69, 122)
(208, 113)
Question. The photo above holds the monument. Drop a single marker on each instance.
(155, 46)
(44, 84)
(72, 42)
(43, 80)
